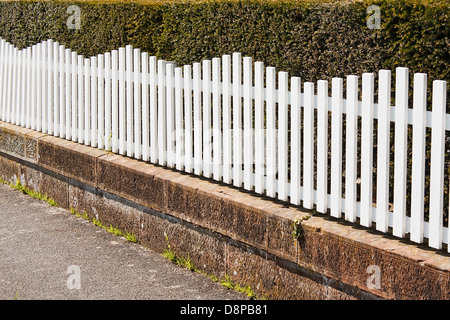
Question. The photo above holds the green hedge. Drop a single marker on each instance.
(313, 40)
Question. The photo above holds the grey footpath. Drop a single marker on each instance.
(46, 253)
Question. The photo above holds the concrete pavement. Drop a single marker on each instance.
(48, 253)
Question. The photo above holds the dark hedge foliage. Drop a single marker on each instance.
(313, 40)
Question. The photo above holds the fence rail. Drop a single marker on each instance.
(236, 121)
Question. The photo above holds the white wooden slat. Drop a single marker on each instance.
(68, 94)
(296, 142)
(87, 101)
(400, 164)
(39, 83)
(237, 119)
(101, 136)
(418, 157)
(217, 120)
(162, 113)
(308, 143)
(81, 97)
(137, 116)
(29, 90)
(94, 102)
(145, 108)
(61, 118)
(206, 105)
(351, 148)
(9, 71)
(17, 90)
(122, 101)
(383, 152)
(198, 145)
(49, 102)
(23, 86)
(179, 130)
(188, 139)
(170, 108)
(367, 149)
(129, 107)
(45, 87)
(2, 78)
(271, 163)
(14, 86)
(322, 145)
(107, 137)
(337, 87)
(153, 111)
(248, 124)
(74, 83)
(227, 133)
(114, 101)
(437, 164)
(33, 100)
(43, 78)
(259, 128)
(282, 136)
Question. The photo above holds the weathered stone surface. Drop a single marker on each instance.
(133, 180)
(74, 160)
(55, 188)
(9, 170)
(270, 280)
(212, 221)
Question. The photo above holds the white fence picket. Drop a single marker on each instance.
(188, 140)
(145, 108)
(179, 130)
(437, 164)
(101, 137)
(137, 104)
(198, 145)
(351, 148)
(322, 145)
(170, 109)
(237, 119)
(308, 146)
(282, 134)
(217, 120)
(383, 152)
(336, 147)
(418, 157)
(248, 124)
(227, 135)
(271, 160)
(296, 141)
(114, 102)
(401, 136)
(87, 101)
(162, 113)
(259, 128)
(122, 101)
(206, 119)
(367, 149)
(94, 102)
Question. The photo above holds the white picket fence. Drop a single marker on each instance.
(244, 124)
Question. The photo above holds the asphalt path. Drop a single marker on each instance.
(46, 253)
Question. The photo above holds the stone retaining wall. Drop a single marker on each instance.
(225, 230)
